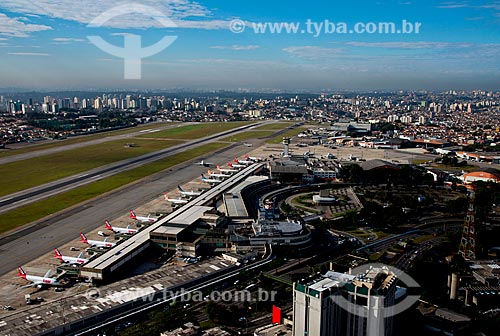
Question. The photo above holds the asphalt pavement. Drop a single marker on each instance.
(36, 240)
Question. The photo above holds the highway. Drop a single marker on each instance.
(24, 197)
(36, 240)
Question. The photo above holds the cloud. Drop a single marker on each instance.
(313, 52)
(237, 47)
(15, 28)
(68, 39)
(453, 5)
(494, 6)
(410, 45)
(28, 54)
(180, 12)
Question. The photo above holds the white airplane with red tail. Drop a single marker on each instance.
(175, 200)
(70, 260)
(115, 229)
(230, 171)
(96, 243)
(143, 219)
(38, 281)
(235, 165)
(243, 162)
(252, 158)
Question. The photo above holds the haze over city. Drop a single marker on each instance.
(44, 45)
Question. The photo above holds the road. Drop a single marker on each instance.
(24, 197)
(39, 239)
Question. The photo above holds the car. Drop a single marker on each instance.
(59, 289)
(8, 308)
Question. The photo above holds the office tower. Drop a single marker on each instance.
(128, 101)
(334, 304)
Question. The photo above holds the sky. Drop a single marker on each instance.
(221, 44)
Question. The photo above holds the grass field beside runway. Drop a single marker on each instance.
(191, 132)
(79, 139)
(248, 135)
(20, 175)
(35, 211)
(288, 134)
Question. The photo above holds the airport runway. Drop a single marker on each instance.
(34, 241)
(24, 197)
(62, 148)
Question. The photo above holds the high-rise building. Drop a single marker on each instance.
(335, 304)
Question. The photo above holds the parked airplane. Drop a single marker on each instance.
(243, 162)
(204, 164)
(253, 158)
(175, 200)
(70, 260)
(38, 281)
(209, 180)
(222, 170)
(96, 243)
(191, 193)
(115, 229)
(235, 165)
(222, 176)
(148, 219)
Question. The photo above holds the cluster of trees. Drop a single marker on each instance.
(451, 160)
(406, 175)
(71, 121)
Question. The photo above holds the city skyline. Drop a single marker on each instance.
(44, 45)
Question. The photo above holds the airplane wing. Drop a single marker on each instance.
(80, 255)
(47, 275)
(32, 284)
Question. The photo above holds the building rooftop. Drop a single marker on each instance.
(377, 164)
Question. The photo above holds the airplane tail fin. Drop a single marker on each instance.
(210, 172)
(247, 157)
(107, 225)
(229, 164)
(21, 272)
(132, 214)
(180, 189)
(58, 253)
(83, 239)
(165, 196)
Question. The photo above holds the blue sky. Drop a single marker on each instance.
(44, 45)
